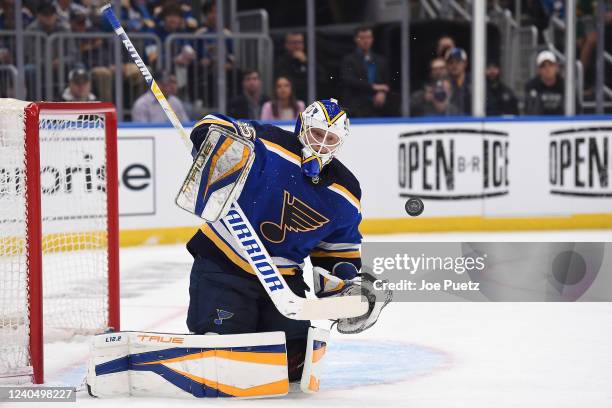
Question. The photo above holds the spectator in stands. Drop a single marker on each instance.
(445, 43)
(293, 64)
(65, 8)
(134, 16)
(284, 105)
(206, 50)
(456, 63)
(437, 69)
(545, 94)
(536, 14)
(586, 37)
(136, 10)
(182, 51)
(79, 87)
(191, 22)
(7, 15)
(172, 22)
(7, 22)
(94, 54)
(146, 109)
(500, 100)
(248, 105)
(47, 20)
(434, 100)
(365, 77)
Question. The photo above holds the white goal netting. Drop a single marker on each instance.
(74, 230)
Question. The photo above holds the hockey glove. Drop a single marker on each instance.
(377, 300)
(344, 281)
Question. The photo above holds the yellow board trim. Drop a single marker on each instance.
(479, 223)
(156, 236)
(56, 242)
(180, 235)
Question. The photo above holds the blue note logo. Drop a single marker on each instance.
(222, 315)
(296, 216)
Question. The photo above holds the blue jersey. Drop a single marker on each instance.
(295, 216)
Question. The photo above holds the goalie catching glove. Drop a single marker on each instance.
(345, 281)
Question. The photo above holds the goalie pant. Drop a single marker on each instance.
(227, 303)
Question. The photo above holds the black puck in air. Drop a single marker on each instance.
(414, 207)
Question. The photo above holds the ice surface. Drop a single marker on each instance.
(476, 355)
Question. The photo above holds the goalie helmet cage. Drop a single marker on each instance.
(59, 244)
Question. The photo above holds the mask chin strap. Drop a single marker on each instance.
(312, 164)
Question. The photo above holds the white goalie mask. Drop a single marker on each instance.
(321, 129)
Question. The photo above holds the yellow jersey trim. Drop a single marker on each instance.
(214, 122)
(335, 254)
(281, 151)
(346, 194)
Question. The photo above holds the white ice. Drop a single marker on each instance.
(476, 355)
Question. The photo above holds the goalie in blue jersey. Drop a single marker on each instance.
(271, 198)
(303, 202)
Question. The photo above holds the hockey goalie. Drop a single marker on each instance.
(302, 202)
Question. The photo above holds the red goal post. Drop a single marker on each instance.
(59, 228)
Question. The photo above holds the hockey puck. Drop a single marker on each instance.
(414, 207)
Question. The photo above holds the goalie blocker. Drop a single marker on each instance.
(145, 364)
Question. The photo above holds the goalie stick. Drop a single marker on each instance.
(287, 303)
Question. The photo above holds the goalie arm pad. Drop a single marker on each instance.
(201, 128)
(220, 168)
(186, 366)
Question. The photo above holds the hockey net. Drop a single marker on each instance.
(58, 228)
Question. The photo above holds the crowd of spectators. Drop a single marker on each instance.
(367, 87)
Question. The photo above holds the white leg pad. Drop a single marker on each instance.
(187, 366)
(316, 347)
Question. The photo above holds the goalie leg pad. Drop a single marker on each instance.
(186, 366)
(316, 347)
(217, 175)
